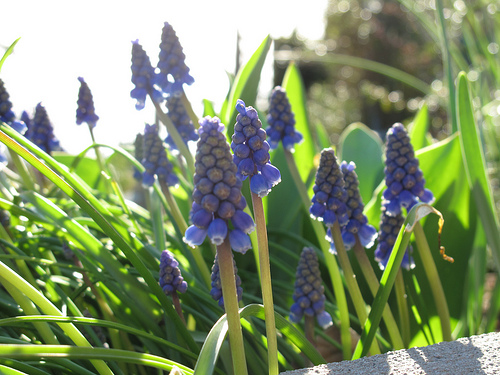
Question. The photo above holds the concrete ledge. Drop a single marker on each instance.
(470, 355)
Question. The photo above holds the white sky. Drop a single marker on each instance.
(62, 40)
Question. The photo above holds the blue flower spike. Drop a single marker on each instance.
(330, 197)
(251, 151)
(216, 291)
(6, 113)
(85, 111)
(387, 235)
(144, 77)
(281, 121)
(309, 295)
(358, 223)
(171, 62)
(217, 194)
(171, 279)
(181, 120)
(155, 159)
(41, 132)
(403, 177)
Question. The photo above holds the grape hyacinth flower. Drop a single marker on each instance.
(41, 132)
(217, 194)
(388, 233)
(25, 117)
(281, 121)
(182, 122)
(309, 294)
(403, 177)
(171, 63)
(330, 197)
(171, 279)
(85, 111)
(138, 153)
(251, 151)
(216, 291)
(155, 159)
(6, 113)
(358, 223)
(143, 77)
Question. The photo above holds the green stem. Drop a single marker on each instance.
(177, 306)
(433, 277)
(330, 261)
(350, 280)
(227, 277)
(100, 160)
(172, 131)
(373, 284)
(181, 223)
(22, 170)
(309, 329)
(404, 315)
(265, 275)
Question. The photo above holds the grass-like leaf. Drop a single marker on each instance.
(8, 52)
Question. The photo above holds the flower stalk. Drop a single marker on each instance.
(265, 280)
(404, 315)
(227, 276)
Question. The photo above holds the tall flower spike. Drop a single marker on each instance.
(330, 197)
(216, 291)
(387, 235)
(358, 223)
(41, 132)
(403, 177)
(85, 111)
(143, 77)
(173, 70)
(171, 279)
(309, 294)
(180, 119)
(217, 194)
(25, 117)
(251, 151)
(138, 153)
(155, 159)
(6, 113)
(281, 121)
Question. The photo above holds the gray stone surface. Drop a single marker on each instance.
(471, 355)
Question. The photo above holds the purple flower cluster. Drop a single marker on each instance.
(171, 279)
(171, 63)
(390, 226)
(143, 77)
(358, 223)
(85, 111)
(309, 295)
(217, 194)
(179, 117)
(330, 197)
(403, 177)
(155, 159)
(216, 291)
(41, 131)
(251, 151)
(281, 121)
(6, 113)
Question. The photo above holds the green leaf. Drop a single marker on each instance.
(74, 352)
(246, 84)
(364, 147)
(208, 108)
(210, 350)
(418, 212)
(475, 166)
(87, 168)
(8, 52)
(419, 128)
(295, 90)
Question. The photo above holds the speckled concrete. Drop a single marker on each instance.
(472, 355)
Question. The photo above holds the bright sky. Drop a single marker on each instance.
(62, 40)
